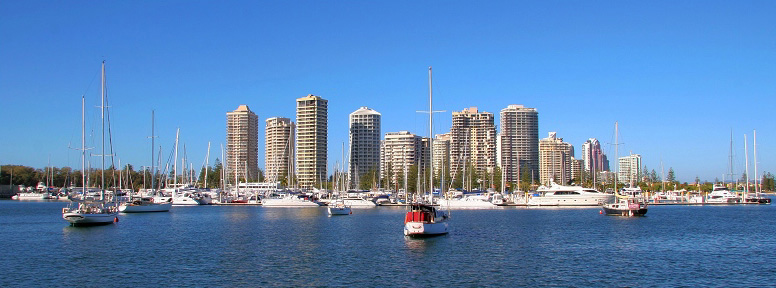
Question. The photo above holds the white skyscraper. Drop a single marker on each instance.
(311, 135)
(364, 144)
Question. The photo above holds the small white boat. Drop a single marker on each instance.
(338, 207)
(626, 206)
(425, 220)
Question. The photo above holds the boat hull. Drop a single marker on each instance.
(624, 211)
(339, 211)
(420, 229)
(284, 203)
(359, 203)
(155, 207)
(84, 219)
(592, 200)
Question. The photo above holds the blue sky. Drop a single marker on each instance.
(677, 75)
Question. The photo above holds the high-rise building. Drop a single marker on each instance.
(593, 157)
(279, 150)
(473, 140)
(364, 144)
(311, 137)
(442, 156)
(242, 147)
(629, 169)
(519, 139)
(576, 170)
(554, 160)
(399, 151)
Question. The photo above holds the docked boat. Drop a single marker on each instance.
(721, 194)
(560, 195)
(467, 202)
(288, 201)
(338, 207)
(356, 201)
(626, 206)
(30, 196)
(145, 204)
(757, 198)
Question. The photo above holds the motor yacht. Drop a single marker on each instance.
(559, 195)
(721, 194)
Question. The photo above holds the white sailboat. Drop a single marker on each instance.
(424, 219)
(147, 204)
(86, 211)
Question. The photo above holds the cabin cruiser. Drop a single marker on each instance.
(355, 200)
(289, 200)
(721, 194)
(467, 202)
(559, 195)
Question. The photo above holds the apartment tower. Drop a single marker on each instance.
(629, 169)
(279, 150)
(519, 139)
(554, 160)
(442, 157)
(472, 140)
(242, 147)
(311, 137)
(399, 151)
(364, 145)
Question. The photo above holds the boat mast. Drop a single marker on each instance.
(102, 117)
(175, 164)
(756, 186)
(430, 142)
(616, 156)
(746, 157)
(83, 148)
(153, 174)
(207, 162)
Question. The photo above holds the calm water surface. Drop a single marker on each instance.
(219, 246)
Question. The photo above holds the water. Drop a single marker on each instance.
(219, 246)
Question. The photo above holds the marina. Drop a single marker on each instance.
(674, 245)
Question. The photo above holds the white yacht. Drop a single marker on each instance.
(559, 195)
(467, 202)
(145, 204)
(721, 194)
(356, 201)
(289, 200)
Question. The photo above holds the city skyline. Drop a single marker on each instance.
(672, 75)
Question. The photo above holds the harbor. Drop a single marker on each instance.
(230, 246)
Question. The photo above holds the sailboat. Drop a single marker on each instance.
(87, 211)
(424, 219)
(757, 197)
(625, 204)
(147, 204)
(338, 206)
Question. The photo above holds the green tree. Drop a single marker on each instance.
(671, 178)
